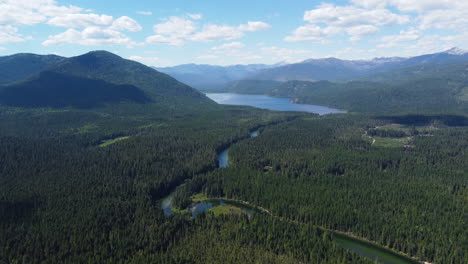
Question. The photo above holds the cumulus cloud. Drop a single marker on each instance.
(346, 16)
(177, 30)
(9, 34)
(391, 41)
(27, 13)
(216, 32)
(83, 28)
(90, 36)
(328, 20)
(92, 30)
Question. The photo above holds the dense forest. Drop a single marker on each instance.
(323, 171)
(65, 198)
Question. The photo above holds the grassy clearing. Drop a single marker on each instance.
(226, 210)
(106, 143)
(391, 142)
(199, 197)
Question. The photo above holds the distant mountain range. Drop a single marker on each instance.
(210, 78)
(89, 80)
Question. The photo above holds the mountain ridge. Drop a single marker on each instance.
(104, 78)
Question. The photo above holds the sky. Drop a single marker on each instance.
(167, 33)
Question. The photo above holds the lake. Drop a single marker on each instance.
(269, 103)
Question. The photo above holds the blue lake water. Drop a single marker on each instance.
(270, 103)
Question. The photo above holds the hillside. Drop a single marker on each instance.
(18, 67)
(422, 95)
(95, 79)
(111, 68)
(251, 86)
(51, 89)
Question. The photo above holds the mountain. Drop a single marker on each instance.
(210, 77)
(333, 69)
(18, 67)
(98, 78)
(111, 68)
(251, 86)
(52, 89)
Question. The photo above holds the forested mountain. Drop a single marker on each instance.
(18, 67)
(250, 86)
(111, 68)
(421, 95)
(98, 78)
(52, 89)
(211, 77)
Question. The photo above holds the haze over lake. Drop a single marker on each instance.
(270, 103)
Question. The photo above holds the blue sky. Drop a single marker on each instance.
(165, 33)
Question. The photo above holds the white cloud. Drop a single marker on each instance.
(145, 13)
(177, 30)
(216, 32)
(430, 14)
(348, 16)
(26, 13)
(452, 19)
(100, 29)
(93, 30)
(9, 34)
(81, 20)
(176, 26)
(151, 61)
(254, 26)
(370, 3)
(358, 32)
(313, 33)
(328, 20)
(424, 5)
(125, 23)
(90, 36)
(195, 16)
(229, 46)
(31, 12)
(391, 41)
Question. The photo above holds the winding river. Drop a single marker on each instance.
(362, 248)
